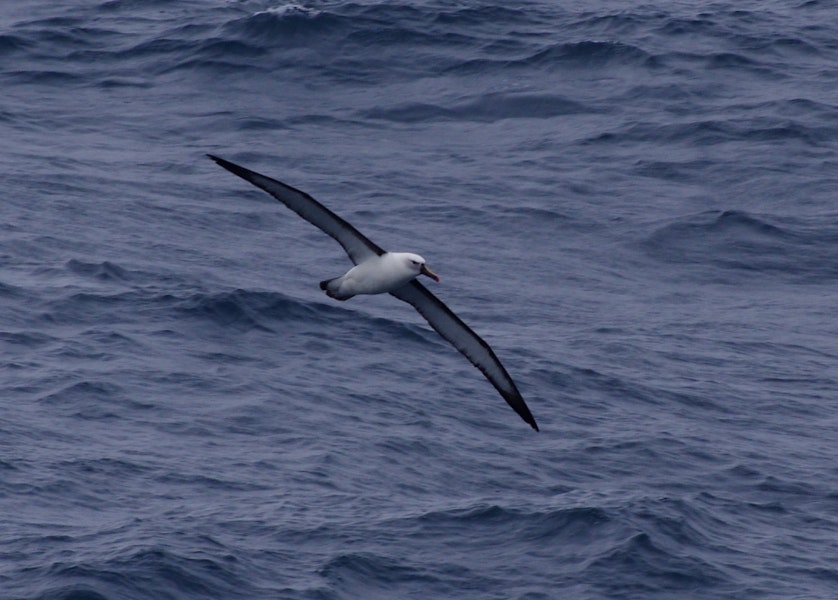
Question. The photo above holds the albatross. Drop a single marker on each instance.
(377, 271)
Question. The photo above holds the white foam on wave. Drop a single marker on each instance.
(289, 9)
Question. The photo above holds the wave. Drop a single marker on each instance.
(741, 241)
(566, 522)
(588, 53)
(10, 44)
(711, 132)
(245, 310)
(582, 54)
(410, 40)
(362, 571)
(285, 26)
(487, 108)
(104, 271)
(145, 572)
(356, 37)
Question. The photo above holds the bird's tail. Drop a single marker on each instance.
(332, 288)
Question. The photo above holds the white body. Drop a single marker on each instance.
(376, 275)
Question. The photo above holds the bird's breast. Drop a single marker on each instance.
(377, 275)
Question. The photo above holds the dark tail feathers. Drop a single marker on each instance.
(324, 285)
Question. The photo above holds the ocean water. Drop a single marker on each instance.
(633, 202)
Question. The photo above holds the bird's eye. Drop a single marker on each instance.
(414, 262)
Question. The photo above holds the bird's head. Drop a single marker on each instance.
(417, 264)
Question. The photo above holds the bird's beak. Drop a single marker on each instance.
(426, 271)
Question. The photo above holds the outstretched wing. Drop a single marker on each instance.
(357, 246)
(452, 328)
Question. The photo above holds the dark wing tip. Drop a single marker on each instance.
(519, 406)
(232, 167)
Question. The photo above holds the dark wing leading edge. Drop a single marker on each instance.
(452, 328)
(357, 246)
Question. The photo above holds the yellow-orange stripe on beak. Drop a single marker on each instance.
(426, 271)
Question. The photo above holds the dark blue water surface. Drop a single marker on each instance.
(634, 202)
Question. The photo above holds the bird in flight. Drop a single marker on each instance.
(377, 271)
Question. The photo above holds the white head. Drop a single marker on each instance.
(416, 264)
